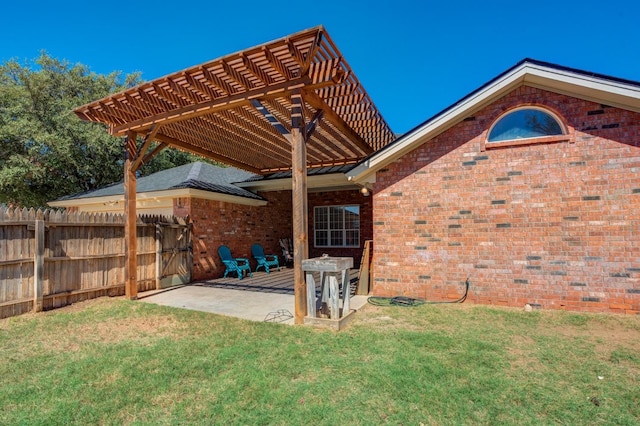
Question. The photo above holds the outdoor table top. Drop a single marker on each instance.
(327, 264)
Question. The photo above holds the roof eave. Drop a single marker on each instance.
(327, 182)
(164, 194)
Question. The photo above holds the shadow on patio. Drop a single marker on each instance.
(276, 282)
(263, 297)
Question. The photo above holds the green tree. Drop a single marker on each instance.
(47, 152)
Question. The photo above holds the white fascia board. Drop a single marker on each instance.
(158, 198)
(227, 198)
(610, 92)
(107, 200)
(333, 181)
(591, 88)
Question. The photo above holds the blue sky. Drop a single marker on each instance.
(414, 58)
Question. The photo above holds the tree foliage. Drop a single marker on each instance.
(47, 151)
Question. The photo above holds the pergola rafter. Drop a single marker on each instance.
(290, 104)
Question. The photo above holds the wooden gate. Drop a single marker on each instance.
(174, 254)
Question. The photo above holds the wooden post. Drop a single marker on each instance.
(38, 264)
(363, 276)
(300, 220)
(189, 248)
(158, 256)
(300, 203)
(130, 240)
(298, 138)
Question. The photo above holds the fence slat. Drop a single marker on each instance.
(38, 267)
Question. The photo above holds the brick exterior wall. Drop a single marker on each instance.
(554, 225)
(239, 226)
(235, 225)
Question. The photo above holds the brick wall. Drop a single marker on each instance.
(238, 226)
(554, 225)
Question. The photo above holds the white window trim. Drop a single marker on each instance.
(564, 137)
(343, 228)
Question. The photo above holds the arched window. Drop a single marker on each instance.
(525, 123)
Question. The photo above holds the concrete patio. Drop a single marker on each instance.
(263, 297)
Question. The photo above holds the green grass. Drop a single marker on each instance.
(111, 361)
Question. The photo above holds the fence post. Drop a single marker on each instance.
(38, 265)
(189, 248)
(158, 256)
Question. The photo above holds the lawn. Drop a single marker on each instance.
(111, 361)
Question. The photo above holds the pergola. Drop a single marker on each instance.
(290, 104)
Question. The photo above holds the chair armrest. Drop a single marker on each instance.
(242, 259)
(271, 256)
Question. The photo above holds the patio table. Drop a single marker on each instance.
(331, 270)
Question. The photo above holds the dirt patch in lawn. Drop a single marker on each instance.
(95, 328)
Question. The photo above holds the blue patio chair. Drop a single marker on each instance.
(264, 260)
(237, 265)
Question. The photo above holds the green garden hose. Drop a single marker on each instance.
(408, 301)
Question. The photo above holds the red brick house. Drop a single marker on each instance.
(529, 187)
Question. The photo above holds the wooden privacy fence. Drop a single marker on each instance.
(50, 259)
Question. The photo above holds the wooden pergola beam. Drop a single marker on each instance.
(255, 70)
(196, 110)
(205, 153)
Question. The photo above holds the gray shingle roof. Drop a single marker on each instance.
(196, 175)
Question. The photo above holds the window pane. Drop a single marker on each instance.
(322, 238)
(353, 238)
(321, 218)
(524, 123)
(336, 238)
(336, 217)
(352, 217)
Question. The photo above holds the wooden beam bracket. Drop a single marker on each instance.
(313, 123)
(157, 149)
(140, 157)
